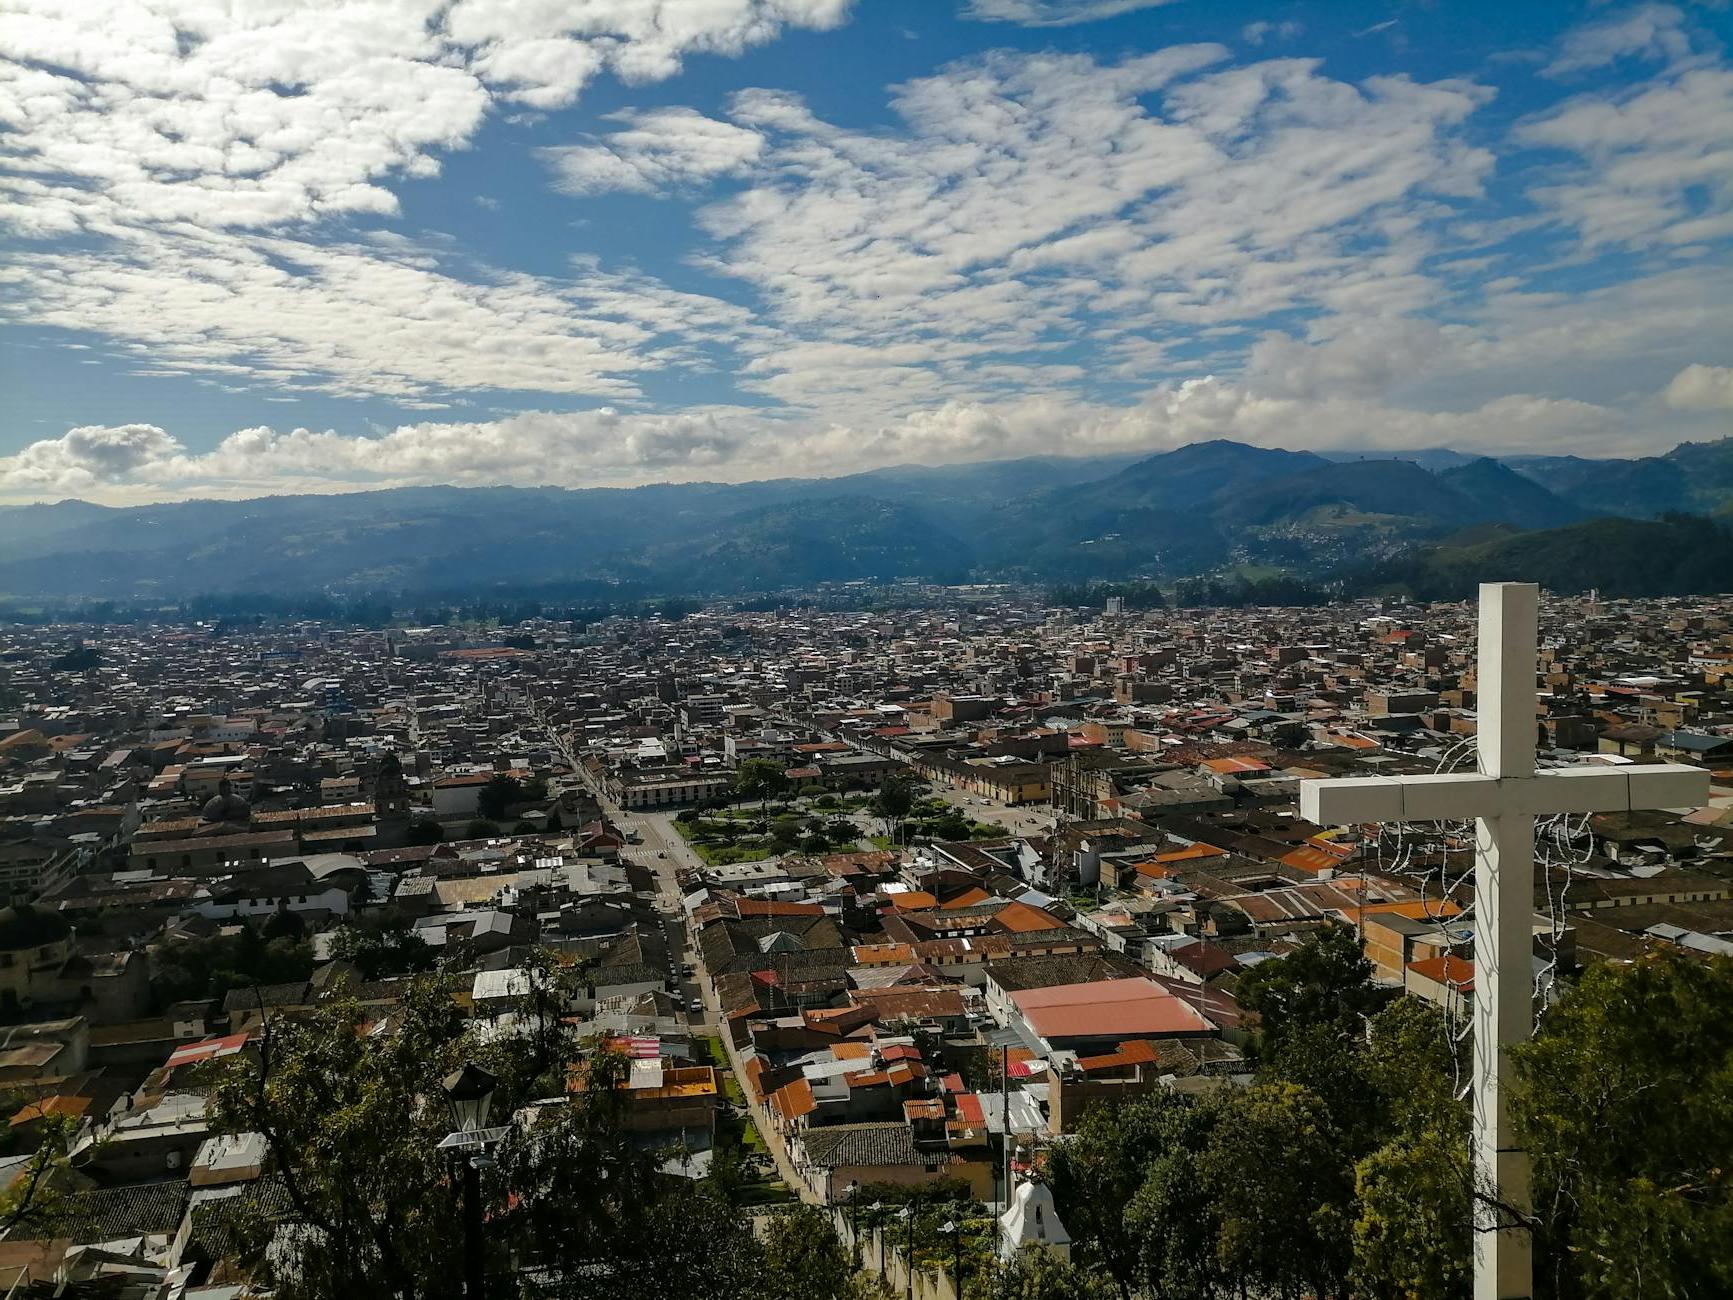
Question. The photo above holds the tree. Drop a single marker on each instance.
(210, 967)
(588, 1211)
(575, 1208)
(498, 795)
(1283, 1192)
(1324, 983)
(31, 1196)
(1625, 1099)
(481, 829)
(803, 1258)
(784, 833)
(424, 830)
(1413, 1234)
(1097, 1174)
(1036, 1274)
(382, 944)
(284, 924)
(815, 843)
(354, 1147)
(760, 778)
(892, 802)
(952, 826)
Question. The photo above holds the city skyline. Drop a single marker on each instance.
(476, 243)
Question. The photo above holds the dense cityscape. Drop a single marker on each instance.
(895, 905)
(866, 650)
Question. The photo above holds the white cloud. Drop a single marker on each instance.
(1053, 13)
(1367, 358)
(258, 114)
(1651, 165)
(1259, 32)
(1032, 200)
(1701, 388)
(1260, 251)
(384, 318)
(1654, 31)
(660, 148)
(85, 458)
(607, 446)
(182, 136)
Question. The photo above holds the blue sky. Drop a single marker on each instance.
(255, 249)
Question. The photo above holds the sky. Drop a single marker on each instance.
(298, 246)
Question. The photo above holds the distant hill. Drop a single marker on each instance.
(1682, 555)
(833, 539)
(1432, 458)
(1206, 507)
(1499, 494)
(1157, 515)
(1694, 476)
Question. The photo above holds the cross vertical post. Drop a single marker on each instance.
(1503, 937)
(1503, 797)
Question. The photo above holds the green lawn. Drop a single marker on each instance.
(720, 855)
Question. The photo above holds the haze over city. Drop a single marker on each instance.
(267, 249)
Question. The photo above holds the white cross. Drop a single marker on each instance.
(1504, 797)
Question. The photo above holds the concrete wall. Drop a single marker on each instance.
(880, 1254)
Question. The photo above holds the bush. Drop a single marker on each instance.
(480, 829)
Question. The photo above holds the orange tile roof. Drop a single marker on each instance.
(1447, 969)
(1127, 1007)
(968, 898)
(754, 1071)
(794, 1100)
(913, 900)
(1418, 909)
(1310, 858)
(1138, 1051)
(883, 954)
(1020, 918)
(1235, 766)
(1190, 851)
(58, 1104)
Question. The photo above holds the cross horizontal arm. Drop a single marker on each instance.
(1461, 796)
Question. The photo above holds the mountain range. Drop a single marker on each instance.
(1196, 509)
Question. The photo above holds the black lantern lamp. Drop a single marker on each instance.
(469, 1089)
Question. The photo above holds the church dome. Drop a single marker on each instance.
(24, 927)
(226, 806)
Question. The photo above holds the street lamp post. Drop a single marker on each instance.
(854, 1222)
(954, 1230)
(907, 1214)
(469, 1091)
(878, 1209)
